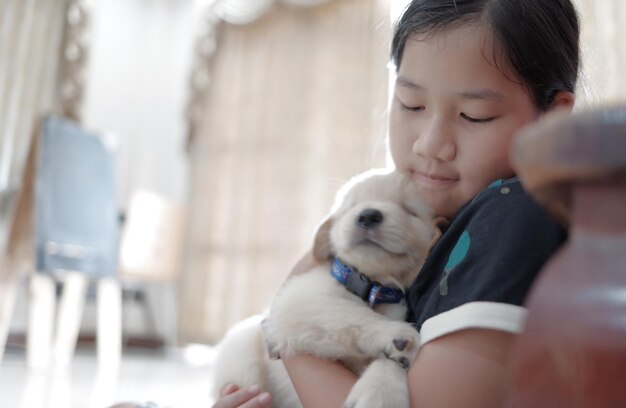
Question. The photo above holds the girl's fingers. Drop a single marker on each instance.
(228, 389)
(251, 397)
(262, 401)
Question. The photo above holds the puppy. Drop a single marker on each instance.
(351, 307)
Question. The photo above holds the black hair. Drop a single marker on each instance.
(540, 38)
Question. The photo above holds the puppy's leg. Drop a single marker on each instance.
(382, 385)
(399, 341)
(240, 356)
(315, 315)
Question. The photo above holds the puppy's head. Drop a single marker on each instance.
(378, 225)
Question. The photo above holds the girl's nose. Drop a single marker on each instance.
(435, 142)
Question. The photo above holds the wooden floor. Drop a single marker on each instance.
(172, 379)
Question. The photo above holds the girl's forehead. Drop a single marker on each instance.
(460, 56)
(472, 42)
(472, 30)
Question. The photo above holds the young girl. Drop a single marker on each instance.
(470, 74)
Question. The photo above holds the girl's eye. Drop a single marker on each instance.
(477, 120)
(412, 108)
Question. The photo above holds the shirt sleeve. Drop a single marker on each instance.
(488, 265)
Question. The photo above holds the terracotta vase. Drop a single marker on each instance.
(572, 352)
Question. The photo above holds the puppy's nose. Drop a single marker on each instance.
(369, 218)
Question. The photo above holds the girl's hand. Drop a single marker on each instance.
(231, 396)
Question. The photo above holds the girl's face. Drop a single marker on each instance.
(454, 114)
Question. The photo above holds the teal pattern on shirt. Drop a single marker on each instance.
(496, 183)
(458, 253)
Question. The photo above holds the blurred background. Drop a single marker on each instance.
(164, 163)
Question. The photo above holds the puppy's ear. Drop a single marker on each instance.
(321, 246)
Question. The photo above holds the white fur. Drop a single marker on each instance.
(313, 313)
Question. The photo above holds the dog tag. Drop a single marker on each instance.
(359, 284)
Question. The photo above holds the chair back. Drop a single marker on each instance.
(77, 223)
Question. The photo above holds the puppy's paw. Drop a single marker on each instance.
(382, 385)
(401, 344)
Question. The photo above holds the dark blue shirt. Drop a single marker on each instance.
(492, 251)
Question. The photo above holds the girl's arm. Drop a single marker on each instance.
(465, 368)
(318, 382)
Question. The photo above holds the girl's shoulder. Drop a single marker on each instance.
(502, 222)
(502, 210)
(499, 202)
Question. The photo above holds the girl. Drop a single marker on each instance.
(470, 74)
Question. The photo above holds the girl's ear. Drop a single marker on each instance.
(321, 246)
(563, 100)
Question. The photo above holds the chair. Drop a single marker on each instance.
(76, 240)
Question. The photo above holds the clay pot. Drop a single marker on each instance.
(572, 352)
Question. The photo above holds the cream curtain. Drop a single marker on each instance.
(296, 106)
(604, 52)
(30, 37)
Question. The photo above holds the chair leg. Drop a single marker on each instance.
(71, 307)
(171, 330)
(8, 295)
(42, 301)
(147, 301)
(109, 334)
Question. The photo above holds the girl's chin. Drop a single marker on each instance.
(442, 206)
(446, 204)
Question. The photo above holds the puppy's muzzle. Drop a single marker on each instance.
(369, 218)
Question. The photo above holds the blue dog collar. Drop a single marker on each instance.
(372, 292)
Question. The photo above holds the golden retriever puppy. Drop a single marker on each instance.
(351, 307)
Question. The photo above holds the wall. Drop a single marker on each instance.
(137, 88)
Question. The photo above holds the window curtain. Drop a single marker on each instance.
(296, 106)
(30, 38)
(31, 33)
(603, 46)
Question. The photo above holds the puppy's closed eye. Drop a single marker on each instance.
(410, 211)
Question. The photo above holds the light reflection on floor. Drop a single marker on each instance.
(175, 379)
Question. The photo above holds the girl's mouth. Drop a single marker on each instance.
(433, 181)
